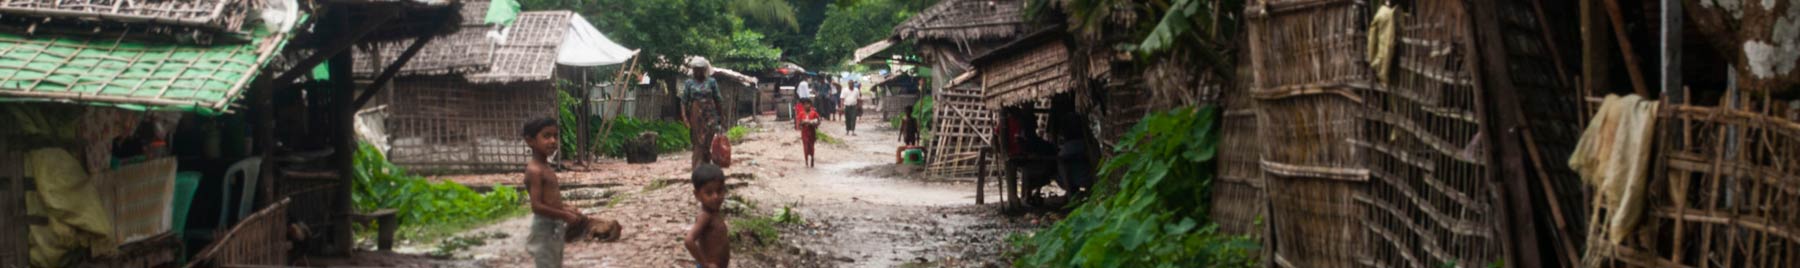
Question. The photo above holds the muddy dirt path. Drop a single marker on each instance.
(857, 208)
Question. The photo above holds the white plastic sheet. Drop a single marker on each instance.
(586, 46)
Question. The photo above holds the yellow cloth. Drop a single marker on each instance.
(1614, 155)
(1383, 34)
(67, 197)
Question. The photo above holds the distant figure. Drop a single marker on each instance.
(708, 242)
(804, 91)
(700, 107)
(550, 216)
(909, 128)
(806, 120)
(852, 108)
(909, 135)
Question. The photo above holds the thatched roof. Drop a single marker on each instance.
(190, 21)
(529, 52)
(964, 21)
(467, 50)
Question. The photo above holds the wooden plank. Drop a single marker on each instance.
(1625, 49)
(1498, 103)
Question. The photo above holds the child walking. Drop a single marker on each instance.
(550, 216)
(707, 241)
(807, 120)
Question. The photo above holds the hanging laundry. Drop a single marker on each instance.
(1614, 157)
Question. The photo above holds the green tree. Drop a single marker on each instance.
(848, 27)
(671, 29)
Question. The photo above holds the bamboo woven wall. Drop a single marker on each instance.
(1037, 73)
(1307, 60)
(1239, 197)
(1723, 194)
(444, 123)
(962, 127)
(1429, 202)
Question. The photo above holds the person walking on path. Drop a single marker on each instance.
(852, 108)
(807, 121)
(700, 108)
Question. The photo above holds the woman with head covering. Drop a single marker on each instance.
(700, 108)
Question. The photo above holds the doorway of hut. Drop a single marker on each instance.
(1041, 143)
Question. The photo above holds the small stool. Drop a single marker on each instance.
(388, 223)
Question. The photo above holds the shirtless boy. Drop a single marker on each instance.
(550, 216)
(707, 242)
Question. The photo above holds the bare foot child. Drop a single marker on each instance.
(707, 242)
(550, 216)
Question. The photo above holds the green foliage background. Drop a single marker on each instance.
(420, 202)
(1155, 215)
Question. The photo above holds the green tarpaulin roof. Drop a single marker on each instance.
(130, 74)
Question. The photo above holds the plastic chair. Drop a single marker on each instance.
(246, 172)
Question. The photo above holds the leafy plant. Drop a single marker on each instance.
(671, 136)
(737, 133)
(1155, 216)
(420, 202)
(922, 111)
(566, 107)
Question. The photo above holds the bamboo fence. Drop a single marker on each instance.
(261, 239)
(1722, 193)
(1307, 57)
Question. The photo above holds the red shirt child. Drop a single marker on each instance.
(806, 120)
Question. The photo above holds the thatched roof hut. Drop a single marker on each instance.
(460, 109)
(966, 21)
(949, 34)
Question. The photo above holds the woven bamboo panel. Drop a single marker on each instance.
(1239, 198)
(1724, 195)
(1037, 73)
(529, 53)
(961, 127)
(443, 123)
(1307, 65)
(1428, 201)
(260, 239)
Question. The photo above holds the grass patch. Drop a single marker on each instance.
(663, 183)
(757, 230)
(449, 246)
(761, 230)
(828, 139)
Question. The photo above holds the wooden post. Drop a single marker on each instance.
(1596, 52)
(262, 102)
(343, 137)
(1625, 48)
(1506, 183)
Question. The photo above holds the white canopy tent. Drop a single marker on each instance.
(586, 46)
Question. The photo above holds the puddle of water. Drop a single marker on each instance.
(838, 179)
